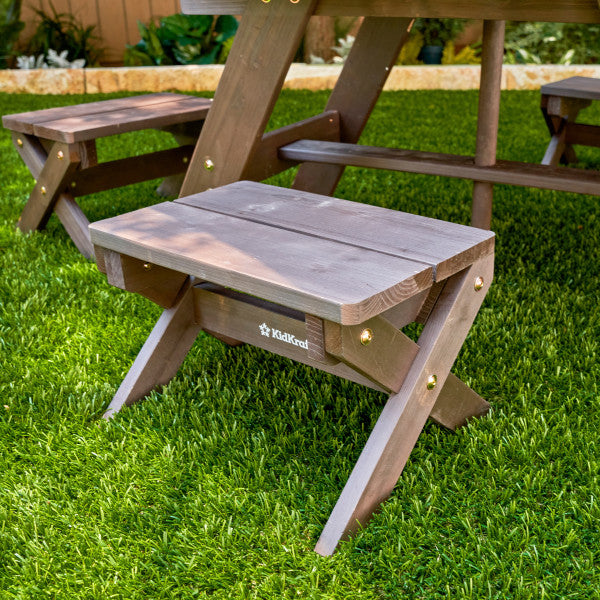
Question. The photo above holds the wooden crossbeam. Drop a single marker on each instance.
(447, 165)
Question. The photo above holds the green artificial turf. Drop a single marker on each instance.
(218, 485)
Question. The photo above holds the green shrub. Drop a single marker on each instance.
(10, 27)
(184, 40)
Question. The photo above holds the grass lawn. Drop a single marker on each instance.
(218, 485)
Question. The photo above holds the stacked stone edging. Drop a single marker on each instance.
(196, 78)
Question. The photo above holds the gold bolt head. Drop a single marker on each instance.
(73, 184)
(43, 190)
(478, 284)
(366, 337)
(209, 165)
(147, 267)
(60, 154)
(19, 142)
(185, 160)
(431, 382)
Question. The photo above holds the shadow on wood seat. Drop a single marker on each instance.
(58, 145)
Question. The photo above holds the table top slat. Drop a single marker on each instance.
(447, 247)
(586, 88)
(323, 277)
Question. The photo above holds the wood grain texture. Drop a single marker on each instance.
(492, 56)
(53, 180)
(447, 165)
(75, 223)
(385, 360)
(447, 247)
(572, 11)
(262, 51)
(586, 88)
(134, 169)
(403, 417)
(162, 354)
(92, 126)
(356, 91)
(27, 121)
(266, 161)
(31, 151)
(154, 282)
(326, 278)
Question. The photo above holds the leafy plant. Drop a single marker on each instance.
(10, 27)
(438, 32)
(467, 56)
(183, 39)
(62, 32)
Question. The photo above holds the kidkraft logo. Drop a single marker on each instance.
(283, 336)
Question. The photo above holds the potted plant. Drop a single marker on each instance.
(436, 34)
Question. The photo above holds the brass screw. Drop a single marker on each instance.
(431, 382)
(294, 1)
(73, 184)
(147, 267)
(209, 165)
(60, 154)
(366, 337)
(266, 1)
(478, 284)
(43, 190)
(185, 160)
(19, 142)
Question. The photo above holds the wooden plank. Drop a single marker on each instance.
(448, 247)
(77, 129)
(328, 279)
(488, 115)
(571, 11)
(154, 282)
(266, 161)
(31, 152)
(134, 169)
(403, 417)
(25, 121)
(262, 51)
(58, 169)
(585, 88)
(361, 81)
(162, 354)
(384, 357)
(75, 223)
(582, 134)
(447, 165)
(238, 316)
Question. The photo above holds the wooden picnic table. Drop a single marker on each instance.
(232, 146)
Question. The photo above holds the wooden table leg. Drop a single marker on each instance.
(262, 52)
(403, 417)
(358, 88)
(488, 117)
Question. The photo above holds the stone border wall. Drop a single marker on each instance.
(193, 78)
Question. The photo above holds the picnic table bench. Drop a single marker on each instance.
(58, 145)
(323, 281)
(561, 103)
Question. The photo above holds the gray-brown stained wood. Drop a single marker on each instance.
(562, 11)
(447, 247)
(324, 277)
(99, 119)
(585, 88)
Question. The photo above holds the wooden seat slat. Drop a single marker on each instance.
(584, 88)
(447, 247)
(327, 278)
(81, 128)
(24, 122)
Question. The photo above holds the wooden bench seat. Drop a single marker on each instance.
(58, 145)
(323, 281)
(561, 103)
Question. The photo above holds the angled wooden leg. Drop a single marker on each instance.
(162, 354)
(262, 52)
(488, 117)
(365, 72)
(75, 223)
(403, 417)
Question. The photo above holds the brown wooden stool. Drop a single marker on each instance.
(58, 145)
(561, 103)
(323, 281)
